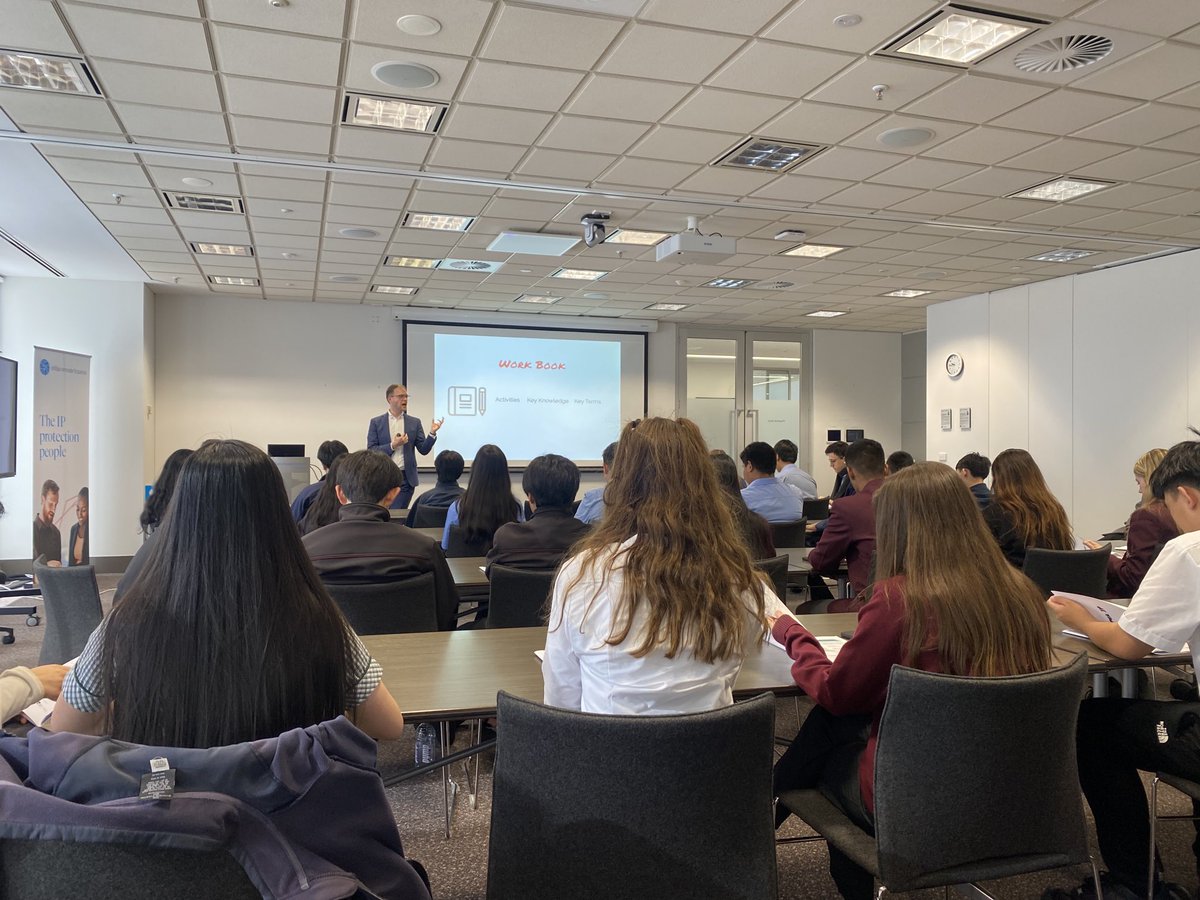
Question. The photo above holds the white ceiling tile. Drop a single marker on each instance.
(869, 138)
(1185, 142)
(987, 145)
(433, 200)
(492, 123)
(201, 222)
(1187, 97)
(906, 83)
(274, 209)
(936, 203)
(627, 98)
(1064, 111)
(397, 147)
(476, 155)
(1001, 209)
(726, 110)
(745, 17)
(685, 144)
(1184, 177)
(101, 172)
(366, 216)
(820, 122)
(320, 17)
(652, 173)
(718, 180)
(669, 54)
(924, 173)
(848, 163)
(363, 57)
(284, 189)
(1125, 220)
(143, 214)
(273, 100)
(1133, 165)
(38, 110)
(161, 123)
(569, 164)
(282, 57)
(998, 182)
(1065, 155)
(1143, 125)
(1169, 16)
(565, 39)
(137, 37)
(801, 188)
(811, 23)
(976, 98)
(525, 87)
(463, 22)
(593, 135)
(779, 69)
(279, 136)
(1123, 196)
(34, 26)
(872, 196)
(171, 178)
(1159, 70)
(159, 86)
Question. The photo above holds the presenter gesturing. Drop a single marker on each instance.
(400, 435)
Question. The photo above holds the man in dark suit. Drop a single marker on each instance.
(400, 435)
(850, 530)
(541, 542)
(364, 546)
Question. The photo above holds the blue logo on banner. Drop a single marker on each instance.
(44, 367)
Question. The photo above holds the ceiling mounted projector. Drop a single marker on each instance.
(693, 247)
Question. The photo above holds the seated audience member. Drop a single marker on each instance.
(550, 482)
(1150, 527)
(153, 513)
(755, 532)
(850, 529)
(897, 460)
(944, 600)
(449, 466)
(365, 546)
(326, 454)
(77, 545)
(1117, 737)
(228, 635)
(591, 507)
(1023, 513)
(974, 469)
(657, 608)
(21, 687)
(774, 500)
(836, 454)
(788, 472)
(487, 503)
(326, 505)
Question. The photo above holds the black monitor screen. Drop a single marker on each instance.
(8, 417)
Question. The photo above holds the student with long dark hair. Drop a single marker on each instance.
(325, 507)
(228, 635)
(1023, 512)
(943, 600)
(488, 501)
(164, 486)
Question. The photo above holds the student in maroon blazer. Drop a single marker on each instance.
(850, 530)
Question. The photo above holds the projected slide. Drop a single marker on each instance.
(529, 395)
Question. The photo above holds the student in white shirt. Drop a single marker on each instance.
(655, 612)
(1117, 737)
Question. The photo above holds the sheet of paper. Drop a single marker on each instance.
(1100, 610)
(39, 712)
(540, 654)
(832, 645)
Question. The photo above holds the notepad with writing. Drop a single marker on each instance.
(1100, 610)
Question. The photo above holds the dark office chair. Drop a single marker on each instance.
(788, 534)
(430, 516)
(1189, 788)
(572, 813)
(71, 602)
(776, 569)
(815, 510)
(946, 743)
(392, 607)
(1074, 571)
(518, 596)
(458, 546)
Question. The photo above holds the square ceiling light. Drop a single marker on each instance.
(639, 238)
(234, 280)
(825, 314)
(961, 36)
(392, 289)
(813, 251)
(767, 155)
(533, 243)
(222, 249)
(1062, 189)
(411, 262)
(437, 221)
(907, 292)
(392, 113)
(543, 299)
(669, 307)
(579, 274)
(1064, 255)
(728, 283)
(45, 72)
(204, 202)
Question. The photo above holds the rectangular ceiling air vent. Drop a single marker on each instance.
(204, 202)
(768, 155)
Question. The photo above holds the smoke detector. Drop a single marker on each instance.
(1062, 54)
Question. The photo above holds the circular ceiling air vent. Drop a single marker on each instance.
(1061, 54)
(466, 265)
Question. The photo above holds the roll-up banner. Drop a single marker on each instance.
(61, 395)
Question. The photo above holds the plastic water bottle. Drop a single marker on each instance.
(428, 748)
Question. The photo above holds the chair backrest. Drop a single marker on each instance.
(457, 545)
(1075, 571)
(71, 601)
(518, 596)
(816, 509)
(48, 869)
(389, 607)
(776, 569)
(430, 516)
(788, 534)
(976, 777)
(569, 804)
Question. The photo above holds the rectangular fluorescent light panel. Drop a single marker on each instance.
(907, 292)
(233, 279)
(727, 283)
(578, 274)
(222, 249)
(825, 314)
(961, 36)
(640, 238)
(814, 251)
(533, 243)
(41, 72)
(1062, 256)
(204, 202)
(411, 262)
(1062, 189)
(437, 221)
(392, 112)
(544, 299)
(391, 289)
(768, 155)
(671, 307)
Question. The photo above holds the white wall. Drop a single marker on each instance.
(107, 321)
(856, 384)
(1087, 372)
(912, 394)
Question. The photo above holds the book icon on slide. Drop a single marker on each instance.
(468, 401)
